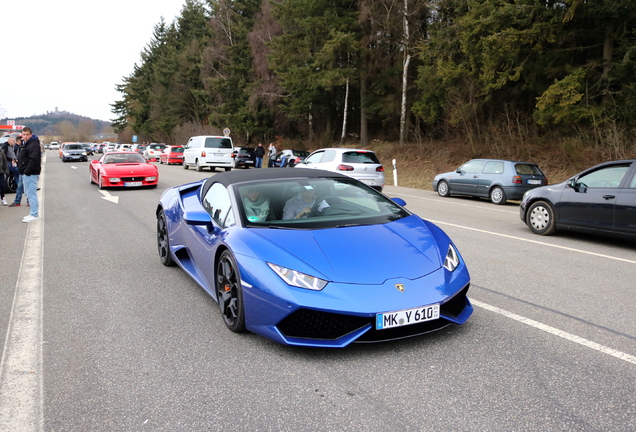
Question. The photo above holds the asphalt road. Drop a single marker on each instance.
(98, 335)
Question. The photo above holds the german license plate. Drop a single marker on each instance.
(534, 181)
(406, 317)
(369, 182)
(132, 184)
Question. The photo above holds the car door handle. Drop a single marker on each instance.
(609, 197)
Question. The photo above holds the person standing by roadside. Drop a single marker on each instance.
(30, 165)
(4, 173)
(271, 155)
(259, 153)
(18, 180)
(12, 160)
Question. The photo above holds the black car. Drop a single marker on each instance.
(243, 157)
(601, 200)
(88, 148)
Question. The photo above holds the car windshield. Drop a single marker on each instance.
(156, 146)
(176, 150)
(314, 204)
(74, 147)
(123, 158)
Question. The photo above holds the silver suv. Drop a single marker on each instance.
(362, 165)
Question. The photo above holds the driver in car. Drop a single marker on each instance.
(300, 206)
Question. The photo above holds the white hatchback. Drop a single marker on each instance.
(362, 165)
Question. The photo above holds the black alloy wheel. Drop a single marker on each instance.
(163, 241)
(12, 185)
(229, 293)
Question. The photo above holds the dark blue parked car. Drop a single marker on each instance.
(498, 180)
(601, 200)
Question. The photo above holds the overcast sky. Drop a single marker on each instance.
(70, 54)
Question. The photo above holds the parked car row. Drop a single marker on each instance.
(601, 199)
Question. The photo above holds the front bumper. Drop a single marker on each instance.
(342, 313)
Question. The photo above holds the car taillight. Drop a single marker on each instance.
(516, 180)
(202, 154)
(233, 155)
(343, 167)
(545, 181)
(380, 169)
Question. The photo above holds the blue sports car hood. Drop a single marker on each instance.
(368, 254)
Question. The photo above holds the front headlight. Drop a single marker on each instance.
(114, 180)
(66, 153)
(83, 153)
(297, 279)
(452, 259)
(151, 178)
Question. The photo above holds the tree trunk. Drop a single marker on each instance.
(364, 126)
(344, 115)
(608, 57)
(405, 67)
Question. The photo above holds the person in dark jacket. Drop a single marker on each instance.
(29, 166)
(4, 173)
(259, 153)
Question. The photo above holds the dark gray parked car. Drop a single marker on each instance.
(498, 180)
(74, 152)
(599, 200)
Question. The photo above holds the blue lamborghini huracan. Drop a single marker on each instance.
(312, 258)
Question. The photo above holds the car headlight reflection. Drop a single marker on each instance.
(452, 259)
(298, 279)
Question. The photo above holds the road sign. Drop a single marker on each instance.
(226, 131)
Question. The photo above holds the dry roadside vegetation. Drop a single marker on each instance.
(417, 164)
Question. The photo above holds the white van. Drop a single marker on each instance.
(208, 151)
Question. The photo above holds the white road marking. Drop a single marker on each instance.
(492, 208)
(109, 197)
(534, 241)
(560, 333)
(21, 387)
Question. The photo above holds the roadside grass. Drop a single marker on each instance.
(417, 164)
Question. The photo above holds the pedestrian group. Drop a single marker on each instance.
(22, 157)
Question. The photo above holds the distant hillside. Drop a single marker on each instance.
(47, 124)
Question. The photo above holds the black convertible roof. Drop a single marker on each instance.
(267, 174)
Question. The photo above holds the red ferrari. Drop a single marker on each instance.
(123, 169)
(171, 155)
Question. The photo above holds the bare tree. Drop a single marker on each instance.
(405, 68)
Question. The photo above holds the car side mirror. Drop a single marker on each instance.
(399, 201)
(197, 218)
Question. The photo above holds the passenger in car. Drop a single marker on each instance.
(257, 206)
